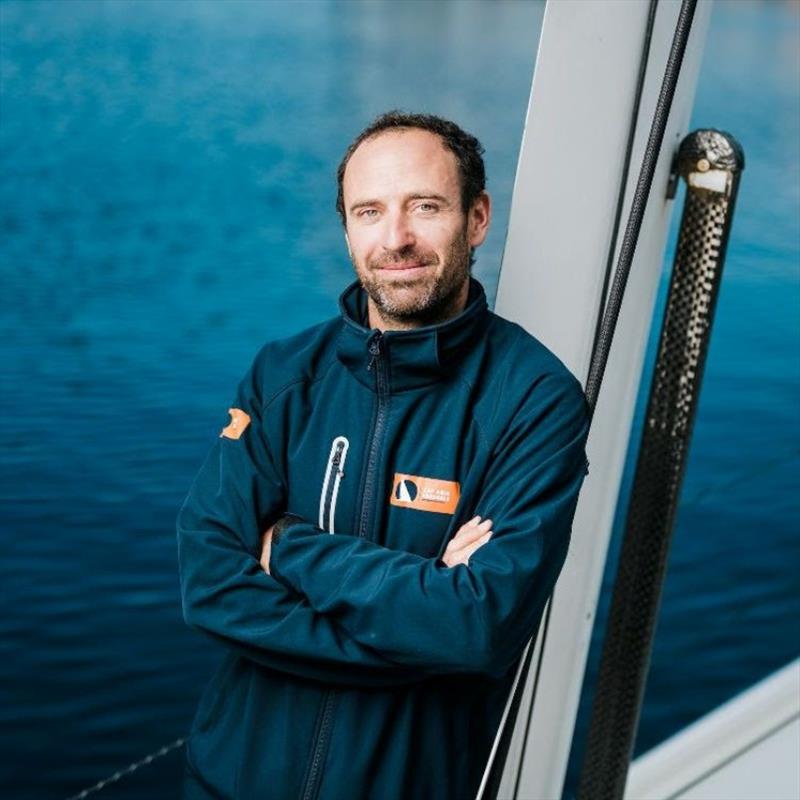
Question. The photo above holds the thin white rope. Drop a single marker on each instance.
(129, 769)
(499, 735)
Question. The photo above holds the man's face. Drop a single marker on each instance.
(407, 234)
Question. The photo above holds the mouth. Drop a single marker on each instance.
(404, 269)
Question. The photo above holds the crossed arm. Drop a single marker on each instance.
(467, 539)
(346, 610)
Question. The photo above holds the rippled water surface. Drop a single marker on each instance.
(166, 205)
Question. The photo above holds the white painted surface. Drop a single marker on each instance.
(561, 224)
(747, 749)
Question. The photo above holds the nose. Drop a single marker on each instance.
(398, 232)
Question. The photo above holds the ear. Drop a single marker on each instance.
(479, 218)
(349, 249)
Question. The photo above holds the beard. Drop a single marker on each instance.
(425, 300)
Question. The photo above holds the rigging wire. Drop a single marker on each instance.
(639, 204)
(623, 183)
(148, 759)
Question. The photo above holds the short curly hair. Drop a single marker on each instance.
(465, 147)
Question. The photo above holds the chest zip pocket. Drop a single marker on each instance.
(330, 486)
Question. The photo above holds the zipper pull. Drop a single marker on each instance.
(337, 460)
(374, 349)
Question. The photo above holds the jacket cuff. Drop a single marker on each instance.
(284, 523)
(289, 529)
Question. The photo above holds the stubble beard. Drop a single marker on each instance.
(426, 300)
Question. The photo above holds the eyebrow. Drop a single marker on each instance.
(417, 196)
(430, 196)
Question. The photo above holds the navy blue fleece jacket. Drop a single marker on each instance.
(363, 666)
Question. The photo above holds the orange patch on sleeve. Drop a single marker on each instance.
(238, 424)
(425, 494)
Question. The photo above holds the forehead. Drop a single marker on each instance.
(399, 162)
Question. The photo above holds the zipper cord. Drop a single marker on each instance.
(336, 462)
(375, 349)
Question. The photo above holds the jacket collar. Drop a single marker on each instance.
(409, 358)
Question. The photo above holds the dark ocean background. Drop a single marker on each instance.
(166, 205)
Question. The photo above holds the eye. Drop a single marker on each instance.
(428, 207)
(369, 213)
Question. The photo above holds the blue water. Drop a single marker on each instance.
(166, 205)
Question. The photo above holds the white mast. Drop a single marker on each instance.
(560, 229)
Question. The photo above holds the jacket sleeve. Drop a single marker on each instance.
(225, 592)
(468, 618)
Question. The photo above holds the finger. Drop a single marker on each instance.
(482, 541)
(264, 560)
(461, 554)
(458, 550)
(472, 530)
(473, 534)
(470, 550)
(455, 545)
(468, 525)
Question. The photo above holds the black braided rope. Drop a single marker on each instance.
(677, 50)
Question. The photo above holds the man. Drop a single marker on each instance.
(442, 446)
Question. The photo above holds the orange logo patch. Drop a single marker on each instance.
(425, 494)
(238, 424)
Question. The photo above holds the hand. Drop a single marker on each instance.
(266, 547)
(469, 537)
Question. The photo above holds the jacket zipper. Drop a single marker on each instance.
(326, 712)
(378, 424)
(330, 486)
